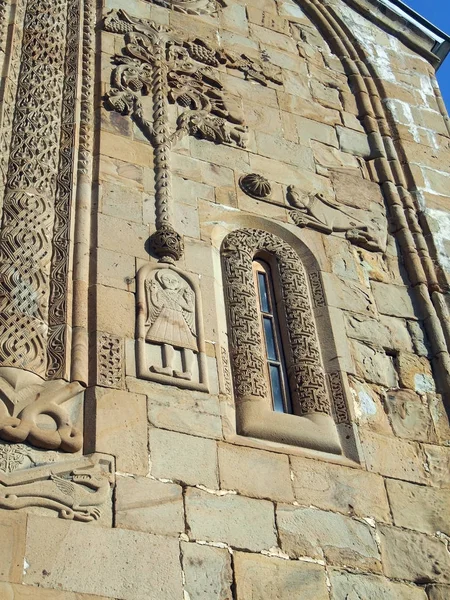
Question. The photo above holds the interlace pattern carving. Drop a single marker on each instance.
(317, 289)
(34, 231)
(109, 361)
(306, 377)
(341, 414)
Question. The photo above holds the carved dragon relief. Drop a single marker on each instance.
(77, 490)
(160, 62)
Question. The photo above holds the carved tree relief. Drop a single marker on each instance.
(160, 62)
(170, 332)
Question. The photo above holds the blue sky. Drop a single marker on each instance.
(438, 13)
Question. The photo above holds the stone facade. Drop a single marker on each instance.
(150, 150)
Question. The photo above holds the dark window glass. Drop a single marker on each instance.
(270, 330)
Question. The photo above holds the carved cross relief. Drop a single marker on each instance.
(160, 62)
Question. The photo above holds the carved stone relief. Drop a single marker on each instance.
(170, 332)
(327, 216)
(191, 7)
(306, 377)
(109, 361)
(317, 289)
(161, 62)
(78, 490)
(256, 186)
(44, 414)
(36, 208)
(341, 414)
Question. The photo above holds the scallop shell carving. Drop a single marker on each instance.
(256, 186)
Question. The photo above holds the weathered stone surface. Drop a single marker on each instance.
(373, 365)
(438, 592)
(117, 563)
(192, 460)
(12, 546)
(339, 488)
(318, 534)
(11, 591)
(240, 522)
(144, 504)
(355, 191)
(414, 556)
(409, 416)
(418, 507)
(353, 142)
(438, 463)
(369, 407)
(394, 300)
(414, 373)
(394, 457)
(207, 572)
(348, 294)
(366, 329)
(262, 577)
(440, 418)
(348, 586)
(122, 429)
(255, 473)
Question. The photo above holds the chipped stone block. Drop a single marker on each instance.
(414, 556)
(144, 504)
(438, 464)
(262, 577)
(121, 429)
(120, 563)
(346, 586)
(207, 572)
(11, 591)
(338, 488)
(240, 522)
(348, 294)
(409, 416)
(192, 460)
(374, 366)
(421, 508)
(394, 300)
(394, 457)
(354, 142)
(440, 418)
(326, 535)
(369, 408)
(414, 372)
(352, 190)
(12, 547)
(255, 473)
(438, 592)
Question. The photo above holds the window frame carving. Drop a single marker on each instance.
(312, 425)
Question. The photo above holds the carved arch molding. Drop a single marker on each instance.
(305, 372)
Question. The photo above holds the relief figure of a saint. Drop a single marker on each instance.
(171, 321)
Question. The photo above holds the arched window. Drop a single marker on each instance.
(279, 382)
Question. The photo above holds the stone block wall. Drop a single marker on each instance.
(198, 511)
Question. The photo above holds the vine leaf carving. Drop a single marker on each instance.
(159, 62)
